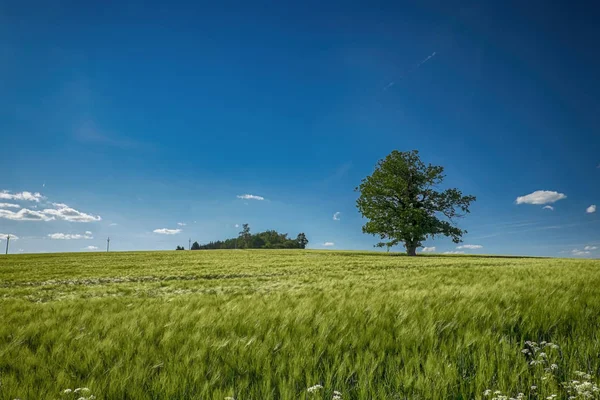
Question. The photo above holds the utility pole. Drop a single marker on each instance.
(107, 244)
(190, 244)
(7, 240)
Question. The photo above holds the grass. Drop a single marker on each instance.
(269, 324)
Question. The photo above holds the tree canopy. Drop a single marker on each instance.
(264, 240)
(402, 204)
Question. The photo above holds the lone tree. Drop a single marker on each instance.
(195, 246)
(302, 240)
(400, 201)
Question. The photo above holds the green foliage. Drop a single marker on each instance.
(260, 324)
(400, 201)
(180, 248)
(262, 240)
(195, 246)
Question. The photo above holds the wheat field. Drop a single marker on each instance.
(296, 324)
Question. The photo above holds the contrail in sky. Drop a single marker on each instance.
(427, 59)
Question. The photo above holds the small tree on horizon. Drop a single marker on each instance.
(195, 246)
(302, 240)
(245, 236)
(400, 201)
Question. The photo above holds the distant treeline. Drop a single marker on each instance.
(263, 240)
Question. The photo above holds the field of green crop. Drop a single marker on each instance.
(270, 324)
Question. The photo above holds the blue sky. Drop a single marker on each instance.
(131, 117)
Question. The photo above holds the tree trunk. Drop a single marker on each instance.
(411, 249)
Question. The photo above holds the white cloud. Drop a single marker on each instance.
(181, 224)
(63, 211)
(113, 224)
(548, 208)
(428, 249)
(9, 205)
(25, 215)
(454, 252)
(591, 209)
(336, 216)
(470, 246)
(25, 196)
(4, 236)
(90, 248)
(590, 248)
(541, 197)
(165, 231)
(69, 236)
(328, 244)
(250, 197)
(577, 252)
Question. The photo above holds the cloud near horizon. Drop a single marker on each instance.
(4, 236)
(67, 236)
(454, 252)
(428, 249)
(470, 246)
(577, 252)
(166, 231)
(249, 197)
(328, 244)
(541, 197)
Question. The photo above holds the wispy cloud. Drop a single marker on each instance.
(23, 196)
(90, 248)
(454, 252)
(88, 132)
(590, 248)
(328, 244)
(250, 197)
(470, 246)
(428, 249)
(25, 215)
(4, 236)
(181, 224)
(577, 252)
(541, 197)
(336, 216)
(9, 205)
(166, 231)
(64, 212)
(591, 209)
(113, 224)
(68, 236)
(548, 208)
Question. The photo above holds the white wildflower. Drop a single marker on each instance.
(487, 392)
(67, 391)
(314, 388)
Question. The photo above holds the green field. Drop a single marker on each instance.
(269, 324)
